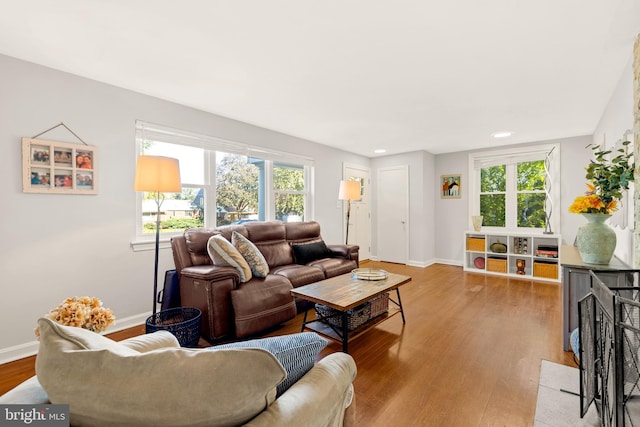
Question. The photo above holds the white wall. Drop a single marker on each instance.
(618, 116)
(616, 119)
(452, 216)
(56, 246)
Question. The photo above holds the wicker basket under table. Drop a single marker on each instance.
(357, 316)
(379, 305)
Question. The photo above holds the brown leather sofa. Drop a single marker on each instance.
(231, 309)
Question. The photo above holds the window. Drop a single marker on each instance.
(288, 189)
(237, 188)
(178, 211)
(493, 191)
(509, 187)
(530, 203)
(222, 182)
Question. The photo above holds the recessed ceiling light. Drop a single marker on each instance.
(380, 151)
(503, 134)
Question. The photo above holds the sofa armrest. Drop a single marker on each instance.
(149, 342)
(29, 392)
(208, 288)
(211, 273)
(345, 251)
(321, 398)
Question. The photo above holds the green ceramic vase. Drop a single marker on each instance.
(596, 241)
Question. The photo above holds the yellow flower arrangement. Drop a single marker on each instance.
(592, 203)
(609, 176)
(82, 312)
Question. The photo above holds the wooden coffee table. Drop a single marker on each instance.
(343, 293)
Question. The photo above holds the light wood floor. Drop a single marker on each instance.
(469, 354)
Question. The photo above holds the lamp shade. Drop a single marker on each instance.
(349, 190)
(158, 174)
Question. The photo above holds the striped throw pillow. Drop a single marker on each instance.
(296, 353)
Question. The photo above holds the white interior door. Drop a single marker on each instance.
(393, 214)
(360, 219)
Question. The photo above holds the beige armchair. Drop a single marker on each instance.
(150, 381)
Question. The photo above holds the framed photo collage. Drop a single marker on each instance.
(59, 168)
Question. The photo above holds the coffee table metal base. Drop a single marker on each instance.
(343, 334)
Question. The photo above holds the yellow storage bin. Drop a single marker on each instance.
(545, 269)
(475, 244)
(498, 265)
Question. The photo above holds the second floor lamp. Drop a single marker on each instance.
(349, 190)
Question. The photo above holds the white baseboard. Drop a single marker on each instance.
(425, 264)
(20, 351)
(422, 264)
(455, 262)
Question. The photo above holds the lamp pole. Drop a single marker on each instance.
(155, 271)
(348, 191)
(348, 215)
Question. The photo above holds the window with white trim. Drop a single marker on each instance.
(223, 182)
(516, 189)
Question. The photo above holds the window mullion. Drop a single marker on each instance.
(210, 198)
(308, 193)
(270, 200)
(511, 197)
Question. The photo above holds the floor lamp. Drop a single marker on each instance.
(158, 175)
(349, 190)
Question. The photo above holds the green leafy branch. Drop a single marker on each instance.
(611, 176)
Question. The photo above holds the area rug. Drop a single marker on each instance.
(558, 402)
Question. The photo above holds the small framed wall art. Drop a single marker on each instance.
(450, 186)
(58, 167)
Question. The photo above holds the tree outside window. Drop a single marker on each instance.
(236, 189)
(288, 185)
(493, 187)
(531, 195)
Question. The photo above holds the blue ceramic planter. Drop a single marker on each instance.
(596, 241)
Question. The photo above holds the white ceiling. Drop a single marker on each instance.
(403, 75)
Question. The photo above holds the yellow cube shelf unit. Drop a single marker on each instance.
(522, 255)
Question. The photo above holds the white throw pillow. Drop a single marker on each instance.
(222, 252)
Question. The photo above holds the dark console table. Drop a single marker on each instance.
(576, 282)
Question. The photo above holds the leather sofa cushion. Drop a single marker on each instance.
(276, 253)
(303, 231)
(107, 384)
(227, 230)
(299, 275)
(259, 232)
(262, 303)
(196, 240)
(334, 266)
